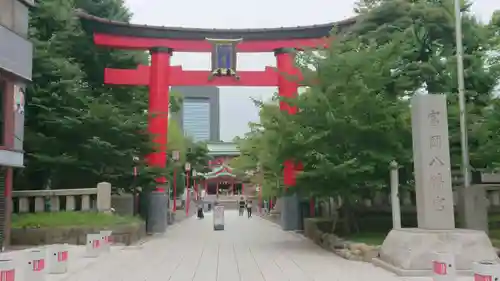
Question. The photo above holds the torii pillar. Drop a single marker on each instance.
(159, 84)
(288, 86)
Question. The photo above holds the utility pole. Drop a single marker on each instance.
(461, 95)
(472, 214)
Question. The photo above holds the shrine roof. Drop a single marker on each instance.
(111, 27)
(220, 171)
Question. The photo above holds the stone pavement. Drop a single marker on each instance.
(247, 250)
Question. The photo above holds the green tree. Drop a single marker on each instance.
(349, 128)
(428, 61)
(258, 150)
(487, 133)
(78, 130)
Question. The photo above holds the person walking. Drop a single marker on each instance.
(249, 208)
(241, 206)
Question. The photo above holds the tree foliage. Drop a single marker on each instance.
(78, 130)
(355, 117)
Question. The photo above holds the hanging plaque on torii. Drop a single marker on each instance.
(224, 58)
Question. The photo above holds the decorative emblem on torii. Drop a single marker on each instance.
(224, 58)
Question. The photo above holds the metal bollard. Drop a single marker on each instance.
(7, 270)
(93, 246)
(57, 259)
(106, 240)
(486, 271)
(35, 265)
(443, 267)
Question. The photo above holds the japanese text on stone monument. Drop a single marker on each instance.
(436, 180)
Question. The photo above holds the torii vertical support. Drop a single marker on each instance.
(159, 84)
(288, 86)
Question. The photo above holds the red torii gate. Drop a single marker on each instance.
(223, 43)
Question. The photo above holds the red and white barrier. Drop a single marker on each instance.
(7, 270)
(93, 246)
(34, 269)
(57, 259)
(106, 240)
(486, 271)
(443, 267)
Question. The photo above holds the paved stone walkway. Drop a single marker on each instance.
(247, 250)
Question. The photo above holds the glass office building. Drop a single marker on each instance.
(199, 114)
(196, 117)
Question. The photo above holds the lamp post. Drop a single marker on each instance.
(195, 174)
(187, 168)
(259, 190)
(47, 202)
(135, 159)
(175, 157)
(136, 191)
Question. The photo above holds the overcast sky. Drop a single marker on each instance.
(236, 108)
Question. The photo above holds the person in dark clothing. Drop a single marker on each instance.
(200, 210)
(249, 208)
(242, 206)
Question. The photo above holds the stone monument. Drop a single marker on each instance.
(409, 251)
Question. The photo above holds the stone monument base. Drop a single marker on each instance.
(409, 251)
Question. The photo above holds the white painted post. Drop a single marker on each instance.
(103, 197)
(70, 203)
(57, 258)
(486, 271)
(495, 198)
(86, 202)
(7, 270)
(396, 207)
(106, 240)
(24, 205)
(34, 269)
(93, 246)
(39, 204)
(443, 267)
(54, 203)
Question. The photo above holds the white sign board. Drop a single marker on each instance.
(218, 217)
